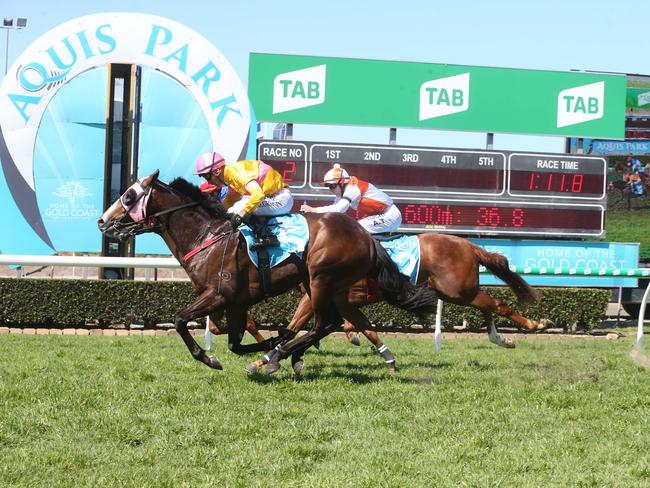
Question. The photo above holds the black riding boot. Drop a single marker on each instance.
(263, 235)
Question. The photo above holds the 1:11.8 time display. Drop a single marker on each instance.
(576, 184)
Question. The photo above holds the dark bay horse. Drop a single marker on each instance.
(339, 253)
(450, 266)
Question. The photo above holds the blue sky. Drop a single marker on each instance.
(552, 35)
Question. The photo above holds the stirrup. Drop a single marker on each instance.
(266, 241)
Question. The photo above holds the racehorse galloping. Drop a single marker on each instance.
(450, 265)
(339, 253)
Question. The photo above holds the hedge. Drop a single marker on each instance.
(82, 303)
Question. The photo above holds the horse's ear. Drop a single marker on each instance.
(151, 179)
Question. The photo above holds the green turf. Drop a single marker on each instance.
(139, 411)
(630, 226)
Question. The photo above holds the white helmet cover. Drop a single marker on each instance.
(336, 175)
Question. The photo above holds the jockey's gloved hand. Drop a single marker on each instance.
(235, 221)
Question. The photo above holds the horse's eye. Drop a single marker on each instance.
(129, 198)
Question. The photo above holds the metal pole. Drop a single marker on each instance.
(438, 333)
(489, 142)
(7, 53)
(392, 136)
(639, 331)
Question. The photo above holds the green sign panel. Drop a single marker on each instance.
(321, 90)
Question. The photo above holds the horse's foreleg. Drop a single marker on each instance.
(206, 303)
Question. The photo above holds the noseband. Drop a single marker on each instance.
(136, 208)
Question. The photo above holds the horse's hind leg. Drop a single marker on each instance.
(493, 332)
(251, 328)
(489, 306)
(351, 333)
(326, 320)
(217, 328)
(360, 322)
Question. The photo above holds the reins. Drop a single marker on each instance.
(205, 245)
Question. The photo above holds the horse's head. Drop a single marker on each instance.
(128, 216)
(140, 208)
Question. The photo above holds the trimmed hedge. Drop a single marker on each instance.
(52, 303)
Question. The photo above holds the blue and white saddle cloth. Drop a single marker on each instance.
(291, 231)
(405, 252)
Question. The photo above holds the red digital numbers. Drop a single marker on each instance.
(287, 174)
(576, 183)
(556, 182)
(449, 215)
(427, 215)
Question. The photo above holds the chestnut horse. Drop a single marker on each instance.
(339, 253)
(450, 266)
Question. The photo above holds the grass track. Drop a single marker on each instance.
(138, 411)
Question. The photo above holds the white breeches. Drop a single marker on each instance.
(388, 221)
(278, 204)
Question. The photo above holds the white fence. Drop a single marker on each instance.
(107, 262)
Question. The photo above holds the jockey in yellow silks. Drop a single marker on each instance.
(255, 189)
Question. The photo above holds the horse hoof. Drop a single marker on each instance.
(355, 340)
(392, 369)
(214, 363)
(544, 324)
(254, 366)
(508, 344)
(298, 366)
(272, 368)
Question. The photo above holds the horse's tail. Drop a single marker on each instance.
(499, 266)
(396, 287)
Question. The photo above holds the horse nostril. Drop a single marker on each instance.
(100, 222)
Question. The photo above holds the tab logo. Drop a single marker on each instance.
(299, 89)
(444, 96)
(581, 104)
(643, 99)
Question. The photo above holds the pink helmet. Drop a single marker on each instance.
(209, 162)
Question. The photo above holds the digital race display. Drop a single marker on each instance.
(430, 171)
(504, 217)
(565, 176)
(459, 191)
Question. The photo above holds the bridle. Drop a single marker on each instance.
(134, 201)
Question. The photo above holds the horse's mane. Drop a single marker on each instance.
(209, 203)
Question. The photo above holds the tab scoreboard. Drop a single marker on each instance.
(458, 191)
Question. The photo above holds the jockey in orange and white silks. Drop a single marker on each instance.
(377, 211)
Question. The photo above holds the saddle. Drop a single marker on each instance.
(387, 236)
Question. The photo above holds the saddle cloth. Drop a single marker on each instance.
(405, 252)
(292, 232)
